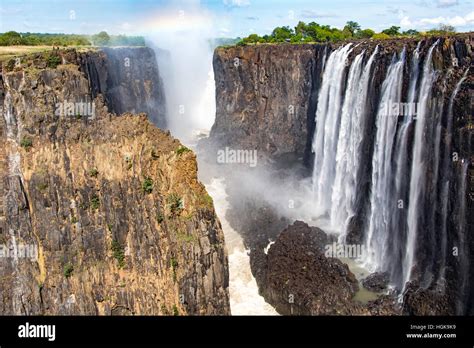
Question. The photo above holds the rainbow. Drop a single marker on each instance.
(173, 20)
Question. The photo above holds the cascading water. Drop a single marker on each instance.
(401, 190)
(418, 168)
(327, 127)
(381, 201)
(408, 167)
(349, 143)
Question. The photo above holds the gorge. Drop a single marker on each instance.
(123, 224)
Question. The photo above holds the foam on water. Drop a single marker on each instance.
(244, 297)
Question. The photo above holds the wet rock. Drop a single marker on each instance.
(376, 282)
(431, 301)
(300, 280)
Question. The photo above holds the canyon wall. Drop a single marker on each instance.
(100, 214)
(270, 98)
(129, 80)
(266, 98)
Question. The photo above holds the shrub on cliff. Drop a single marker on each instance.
(381, 36)
(53, 61)
(175, 203)
(26, 143)
(118, 252)
(147, 185)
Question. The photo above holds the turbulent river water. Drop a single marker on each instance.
(244, 297)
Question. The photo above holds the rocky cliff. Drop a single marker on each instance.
(128, 79)
(268, 98)
(99, 213)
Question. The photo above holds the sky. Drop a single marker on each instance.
(226, 18)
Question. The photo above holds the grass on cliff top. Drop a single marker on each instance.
(9, 52)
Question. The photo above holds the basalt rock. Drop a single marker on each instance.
(128, 79)
(376, 282)
(421, 301)
(300, 280)
(266, 98)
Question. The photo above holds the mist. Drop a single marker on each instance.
(184, 51)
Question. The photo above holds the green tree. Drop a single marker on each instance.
(252, 38)
(392, 31)
(411, 32)
(282, 33)
(300, 28)
(101, 39)
(365, 34)
(445, 28)
(10, 38)
(353, 27)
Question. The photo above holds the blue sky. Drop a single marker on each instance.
(229, 18)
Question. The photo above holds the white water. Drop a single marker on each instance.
(349, 143)
(418, 165)
(327, 128)
(381, 202)
(244, 297)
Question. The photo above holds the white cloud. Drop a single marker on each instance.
(447, 3)
(456, 21)
(237, 3)
(405, 22)
(310, 14)
(125, 26)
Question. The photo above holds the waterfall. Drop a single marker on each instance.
(418, 168)
(327, 127)
(381, 202)
(349, 143)
(402, 173)
(406, 170)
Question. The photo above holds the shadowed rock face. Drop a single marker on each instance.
(129, 80)
(119, 220)
(266, 98)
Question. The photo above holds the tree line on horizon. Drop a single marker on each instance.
(13, 38)
(314, 32)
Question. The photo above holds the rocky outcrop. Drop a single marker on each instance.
(300, 280)
(110, 209)
(376, 282)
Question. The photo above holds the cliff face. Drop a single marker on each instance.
(129, 80)
(256, 85)
(267, 95)
(266, 98)
(109, 208)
